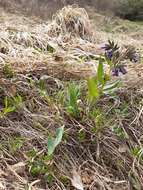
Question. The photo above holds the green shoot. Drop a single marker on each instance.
(72, 100)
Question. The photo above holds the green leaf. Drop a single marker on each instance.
(16, 143)
(100, 72)
(6, 102)
(120, 132)
(110, 87)
(59, 135)
(93, 88)
(81, 135)
(51, 146)
(53, 142)
(8, 109)
(18, 100)
(136, 151)
(49, 179)
(31, 153)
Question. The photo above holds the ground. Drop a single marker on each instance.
(45, 66)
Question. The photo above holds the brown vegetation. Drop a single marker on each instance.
(102, 147)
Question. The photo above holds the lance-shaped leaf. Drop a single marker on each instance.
(53, 142)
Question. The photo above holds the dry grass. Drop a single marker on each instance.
(110, 154)
(74, 21)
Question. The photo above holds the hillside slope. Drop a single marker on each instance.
(44, 70)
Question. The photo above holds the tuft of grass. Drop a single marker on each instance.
(15, 144)
(8, 71)
(71, 102)
(11, 105)
(72, 20)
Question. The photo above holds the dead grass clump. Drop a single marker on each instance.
(73, 20)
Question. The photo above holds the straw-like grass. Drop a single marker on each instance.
(72, 20)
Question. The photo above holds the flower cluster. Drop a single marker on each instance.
(112, 51)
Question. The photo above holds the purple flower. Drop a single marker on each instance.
(109, 54)
(120, 69)
(108, 51)
(115, 72)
